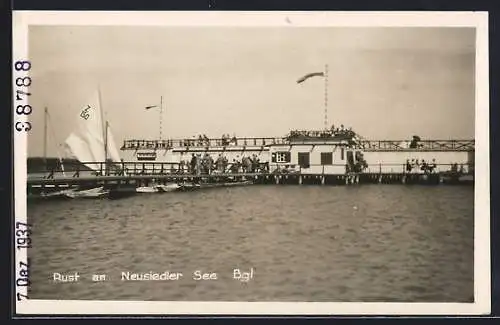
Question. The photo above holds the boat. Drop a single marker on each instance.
(168, 187)
(226, 184)
(184, 187)
(51, 191)
(97, 192)
(158, 188)
(56, 193)
(196, 186)
(147, 189)
(92, 143)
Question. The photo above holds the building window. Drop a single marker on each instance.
(342, 154)
(281, 157)
(326, 158)
(303, 158)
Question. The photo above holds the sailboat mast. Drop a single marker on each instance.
(161, 114)
(326, 97)
(105, 133)
(45, 112)
(47, 121)
(106, 147)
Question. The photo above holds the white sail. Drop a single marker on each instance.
(81, 150)
(87, 141)
(90, 126)
(112, 149)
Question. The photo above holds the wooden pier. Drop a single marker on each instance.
(133, 180)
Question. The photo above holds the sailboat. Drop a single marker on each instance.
(90, 143)
(54, 192)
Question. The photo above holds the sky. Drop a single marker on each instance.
(385, 83)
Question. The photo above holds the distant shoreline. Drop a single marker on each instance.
(41, 164)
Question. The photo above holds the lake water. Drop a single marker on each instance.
(304, 243)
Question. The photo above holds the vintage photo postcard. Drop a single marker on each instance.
(251, 163)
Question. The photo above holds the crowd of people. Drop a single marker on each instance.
(416, 166)
(203, 140)
(207, 165)
(332, 132)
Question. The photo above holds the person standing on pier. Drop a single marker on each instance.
(433, 166)
(181, 166)
(249, 164)
(254, 163)
(225, 162)
(219, 164)
(408, 166)
(424, 167)
(193, 164)
(198, 164)
(413, 166)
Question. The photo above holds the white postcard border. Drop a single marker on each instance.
(482, 266)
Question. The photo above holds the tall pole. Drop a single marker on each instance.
(326, 96)
(161, 114)
(105, 132)
(106, 149)
(45, 113)
(54, 138)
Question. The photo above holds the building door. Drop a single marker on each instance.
(350, 158)
(303, 159)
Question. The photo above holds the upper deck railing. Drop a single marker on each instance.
(367, 145)
(424, 145)
(180, 143)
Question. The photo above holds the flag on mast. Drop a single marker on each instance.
(149, 107)
(310, 75)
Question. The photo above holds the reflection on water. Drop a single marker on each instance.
(304, 243)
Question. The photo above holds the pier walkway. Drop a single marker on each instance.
(159, 173)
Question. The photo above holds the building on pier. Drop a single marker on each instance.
(313, 152)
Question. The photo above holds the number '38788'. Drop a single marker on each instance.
(22, 82)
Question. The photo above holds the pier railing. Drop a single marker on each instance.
(367, 145)
(424, 145)
(154, 168)
(181, 143)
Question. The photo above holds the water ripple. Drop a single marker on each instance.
(309, 243)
